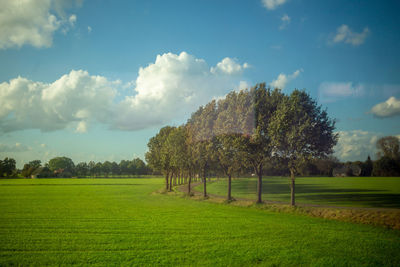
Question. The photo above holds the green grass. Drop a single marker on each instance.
(379, 192)
(120, 222)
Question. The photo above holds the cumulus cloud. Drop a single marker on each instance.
(346, 35)
(174, 86)
(356, 145)
(273, 4)
(285, 21)
(17, 147)
(389, 108)
(333, 91)
(283, 79)
(32, 22)
(76, 97)
(229, 66)
(170, 88)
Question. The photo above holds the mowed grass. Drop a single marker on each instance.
(121, 222)
(377, 192)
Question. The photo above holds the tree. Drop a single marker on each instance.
(367, 167)
(258, 147)
(200, 126)
(158, 157)
(386, 166)
(300, 131)
(63, 165)
(30, 168)
(82, 169)
(7, 167)
(388, 146)
(106, 168)
(115, 168)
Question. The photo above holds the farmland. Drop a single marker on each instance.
(123, 222)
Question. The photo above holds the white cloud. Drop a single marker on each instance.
(283, 79)
(170, 88)
(89, 29)
(346, 35)
(285, 21)
(272, 4)
(17, 147)
(356, 145)
(333, 91)
(75, 97)
(174, 86)
(389, 108)
(229, 66)
(72, 20)
(31, 22)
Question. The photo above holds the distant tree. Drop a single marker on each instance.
(91, 168)
(82, 169)
(388, 146)
(386, 166)
(29, 168)
(124, 167)
(63, 165)
(98, 169)
(367, 167)
(106, 168)
(115, 170)
(7, 167)
(300, 131)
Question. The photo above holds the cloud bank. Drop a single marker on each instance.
(32, 22)
(170, 88)
(389, 108)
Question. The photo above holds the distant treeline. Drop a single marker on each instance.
(64, 167)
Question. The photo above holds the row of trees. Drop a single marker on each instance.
(65, 167)
(247, 129)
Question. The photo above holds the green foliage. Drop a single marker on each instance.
(7, 167)
(389, 147)
(386, 166)
(119, 222)
(62, 166)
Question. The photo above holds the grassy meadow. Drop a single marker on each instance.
(372, 192)
(123, 222)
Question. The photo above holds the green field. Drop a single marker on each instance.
(378, 192)
(121, 222)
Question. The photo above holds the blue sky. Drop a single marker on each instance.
(94, 80)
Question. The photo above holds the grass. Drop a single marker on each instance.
(121, 222)
(373, 192)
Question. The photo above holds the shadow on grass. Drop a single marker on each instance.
(64, 184)
(323, 195)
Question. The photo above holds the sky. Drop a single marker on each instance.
(95, 80)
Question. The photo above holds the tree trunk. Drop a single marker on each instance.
(175, 179)
(204, 184)
(292, 188)
(170, 182)
(259, 188)
(229, 186)
(166, 180)
(259, 185)
(190, 180)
